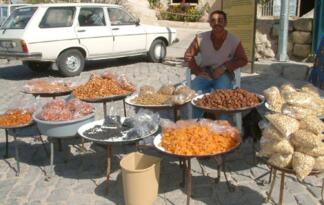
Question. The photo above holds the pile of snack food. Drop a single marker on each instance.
(16, 117)
(47, 86)
(105, 85)
(293, 138)
(61, 110)
(205, 137)
(228, 99)
(166, 95)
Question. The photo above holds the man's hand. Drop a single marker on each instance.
(205, 75)
(218, 72)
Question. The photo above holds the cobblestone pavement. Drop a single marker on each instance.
(79, 177)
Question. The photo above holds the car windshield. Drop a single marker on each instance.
(19, 18)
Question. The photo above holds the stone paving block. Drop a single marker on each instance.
(20, 190)
(295, 187)
(84, 199)
(315, 191)
(103, 202)
(305, 199)
(39, 193)
(14, 201)
(34, 203)
(6, 186)
(59, 195)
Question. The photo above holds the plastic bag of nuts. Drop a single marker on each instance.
(309, 88)
(315, 152)
(297, 112)
(302, 164)
(313, 124)
(146, 90)
(284, 124)
(280, 160)
(304, 138)
(319, 163)
(166, 90)
(274, 98)
(272, 133)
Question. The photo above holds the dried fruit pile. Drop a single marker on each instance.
(15, 117)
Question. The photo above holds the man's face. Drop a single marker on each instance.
(217, 22)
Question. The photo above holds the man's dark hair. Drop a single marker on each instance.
(218, 12)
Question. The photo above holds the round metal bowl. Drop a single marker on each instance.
(62, 129)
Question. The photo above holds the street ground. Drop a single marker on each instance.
(79, 177)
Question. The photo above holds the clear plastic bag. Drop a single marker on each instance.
(297, 112)
(125, 83)
(302, 99)
(315, 152)
(178, 99)
(109, 75)
(146, 90)
(274, 99)
(287, 88)
(319, 163)
(304, 138)
(272, 133)
(185, 91)
(166, 90)
(270, 147)
(309, 88)
(145, 122)
(280, 160)
(284, 124)
(312, 124)
(302, 164)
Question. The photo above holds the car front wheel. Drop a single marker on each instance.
(37, 67)
(70, 63)
(157, 51)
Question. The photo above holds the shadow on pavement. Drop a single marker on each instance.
(21, 72)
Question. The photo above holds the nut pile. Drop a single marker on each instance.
(166, 95)
(15, 117)
(228, 99)
(99, 87)
(44, 86)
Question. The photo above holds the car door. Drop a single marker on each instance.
(93, 32)
(129, 36)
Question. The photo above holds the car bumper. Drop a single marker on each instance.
(20, 56)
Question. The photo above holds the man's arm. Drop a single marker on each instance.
(189, 57)
(239, 59)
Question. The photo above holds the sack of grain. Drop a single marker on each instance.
(284, 124)
(312, 124)
(280, 160)
(302, 164)
(304, 138)
(274, 99)
(319, 163)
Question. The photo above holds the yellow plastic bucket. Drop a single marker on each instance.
(140, 174)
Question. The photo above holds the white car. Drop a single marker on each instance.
(7, 9)
(63, 36)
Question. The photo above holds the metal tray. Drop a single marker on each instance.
(49, 94)
(129, 99)
(291, 171)
(17, 126)
(206, 109)
(112, 140)
(107, 98)
(158, 138)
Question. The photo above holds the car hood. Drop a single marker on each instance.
(158, 29)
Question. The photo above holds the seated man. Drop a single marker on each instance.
(317, 73)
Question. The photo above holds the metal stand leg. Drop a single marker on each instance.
(43, 144)
(59, 141)
(188, 180)
(272, 184)
(7, 144)
(83, 149)
(17, 152)
(175, 114)
(104, 108)
(229, 186)
(322, 191)
(109, 156)
(124, 104)
(217, 159)
(52, 159)
(282, 187)
(182, 164)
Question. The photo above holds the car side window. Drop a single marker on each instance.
(58, 17)
(91, 17)
(118, 16)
